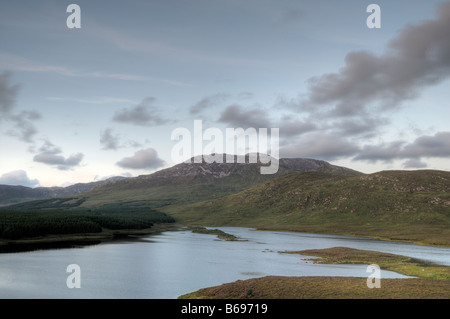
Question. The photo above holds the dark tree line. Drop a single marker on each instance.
(21, 224)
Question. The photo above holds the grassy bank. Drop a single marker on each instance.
(434, 281)
(401, 264)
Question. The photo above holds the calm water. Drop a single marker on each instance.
(173, 263)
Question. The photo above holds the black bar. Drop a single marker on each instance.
(229, 308)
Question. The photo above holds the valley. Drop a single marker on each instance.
(305, 195)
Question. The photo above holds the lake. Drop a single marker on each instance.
(172, 263)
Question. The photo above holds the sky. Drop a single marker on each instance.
(84, 104)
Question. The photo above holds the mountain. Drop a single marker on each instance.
(186, 183)
(17, 194)
(399, 205)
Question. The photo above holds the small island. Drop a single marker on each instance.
(220, 234)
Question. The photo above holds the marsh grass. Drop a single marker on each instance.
(277, 287)
(433, 284)
(400, 264)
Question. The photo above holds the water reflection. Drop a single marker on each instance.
(169, 264)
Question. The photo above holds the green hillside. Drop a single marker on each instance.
(398, 205)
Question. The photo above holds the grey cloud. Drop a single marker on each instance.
(319, 145)
(142, 159)
(18, 177)
(208, 102)
(359, 126)
(426, 146)
(142, 114)
(49, 148)
(290, 126)
(418, 57)
(236, 116)
(108, 140)
(59, 161)
(414, 163)
(22, 122)
(134, 144)
(23, 125)
(8, 94)
(384, 152)
(437, 145)
(49, 154)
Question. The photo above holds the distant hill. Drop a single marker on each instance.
(187, 183)
(17, 194)
(400, 205)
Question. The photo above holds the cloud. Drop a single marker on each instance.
(18, 177)
(419, 56)
(384, 152)
(109, 141)
(413, 163)
(142, 159)
(142, 114)
(59, 161)
(437, 145)
(319, 145)
(103, 100)
(291, 126)
(49, 148)
(21, 64)
(22, 122)
(425, 146)
(236, 116)
(208, 102)
(49, 154)
(24, 128)
(359, 126)
(351, 104)
(113, 142)
(8, 94)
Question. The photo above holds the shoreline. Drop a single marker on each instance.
(77, 240)
(383, 238)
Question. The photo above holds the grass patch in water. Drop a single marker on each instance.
(221, 234)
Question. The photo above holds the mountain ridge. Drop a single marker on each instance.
(13, 194)
(189, 182)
